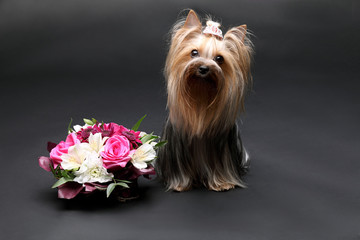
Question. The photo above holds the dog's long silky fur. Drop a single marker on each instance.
(203, 140)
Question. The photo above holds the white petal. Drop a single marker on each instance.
(77, 128)
(68, 162)
(140, 165)
(92, 170)
(75, 157)
(147, 148)
(143, 154)
(96, 142)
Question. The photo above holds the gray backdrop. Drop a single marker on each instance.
(104, 59)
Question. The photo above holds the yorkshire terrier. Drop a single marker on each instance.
(206, 75)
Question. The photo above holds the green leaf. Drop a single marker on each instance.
(69, 126)
(124, 181)
(112, 186)
(61, 181)
(52, 169)
(102, 125)
(137, 125)
(101, 188)
(109, 189)
(67, 174)
(88, 121)
(160, 144)
(145, 138)
(122, 184)
(57, 172)
(64, 174)
(148, 137)
(94, 120)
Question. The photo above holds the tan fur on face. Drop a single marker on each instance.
(199, 106)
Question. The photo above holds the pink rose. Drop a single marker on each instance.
(62, 148)
(72, 139)
(116, 152)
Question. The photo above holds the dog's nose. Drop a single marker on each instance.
(203, 70)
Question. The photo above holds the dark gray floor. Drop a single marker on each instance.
(103, 59)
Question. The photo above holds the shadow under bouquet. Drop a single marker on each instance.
(101, 157)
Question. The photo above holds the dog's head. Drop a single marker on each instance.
(206, 73)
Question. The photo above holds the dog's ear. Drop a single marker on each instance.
(192, 20)
(237, 32)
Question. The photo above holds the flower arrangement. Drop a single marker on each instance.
(100, 156)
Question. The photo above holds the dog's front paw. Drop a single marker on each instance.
(179, 184)
(221, 187)
(181, 188)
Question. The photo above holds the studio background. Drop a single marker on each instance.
(104, 59)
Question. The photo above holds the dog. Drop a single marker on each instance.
(207, 75)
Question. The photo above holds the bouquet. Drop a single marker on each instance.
(101, 157)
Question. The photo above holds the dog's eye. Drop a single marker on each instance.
(219, 59)
(194, 53)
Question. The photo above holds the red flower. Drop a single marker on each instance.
(132, 136)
